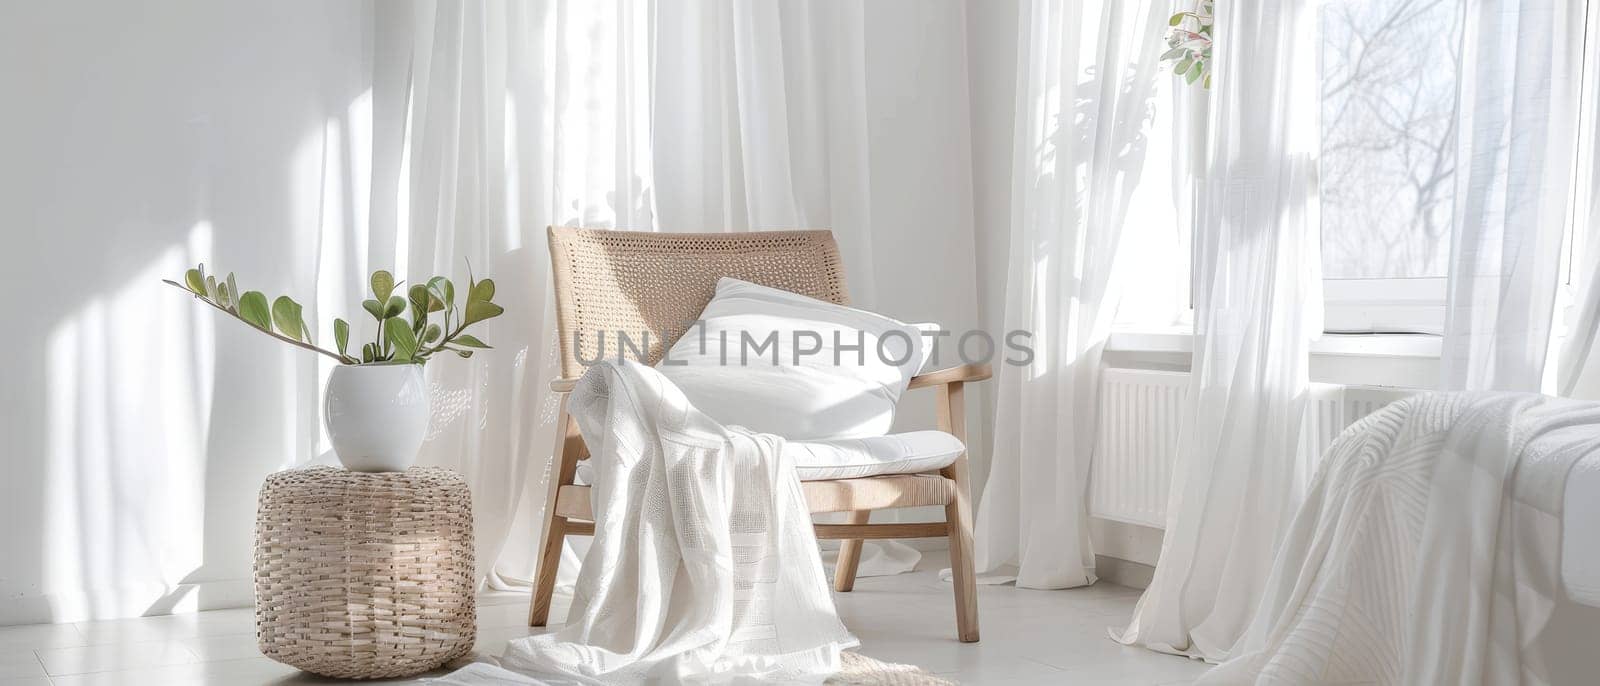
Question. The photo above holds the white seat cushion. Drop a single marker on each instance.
(852, 458)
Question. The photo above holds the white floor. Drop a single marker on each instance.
(1029, 637)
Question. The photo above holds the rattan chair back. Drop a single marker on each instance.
(653, 286)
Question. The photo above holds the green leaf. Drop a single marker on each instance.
(196, 281)
(443, 290)
(482, 291)
(432, 333)
(401, 337)
(253, 309)
(469, 341)
(382, 284)
(341, 334)
(464, 353)
(211, 288)
(396, 305)
(1176, 19)
(418, 294)
(1183, 66)
(368, 353)
(373, 308)
(224, 296)
(286, 314)
(478, 310)
(1174, 53)
(233, 293)
(434, 303)
(1194, 73)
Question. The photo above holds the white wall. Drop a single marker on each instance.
(992, 43)
(136, 138)
(921, 175)
(920, 160)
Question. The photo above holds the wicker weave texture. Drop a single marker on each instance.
(657, 283)
(363, 575)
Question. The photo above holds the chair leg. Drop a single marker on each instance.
(565, 455)
(544, 583)
(844, 571)
(958, 515)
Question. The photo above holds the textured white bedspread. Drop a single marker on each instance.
(704, 566)
(1429, 550)
(1580, 535)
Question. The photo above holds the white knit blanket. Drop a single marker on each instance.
(1428, 551)
(704, 566)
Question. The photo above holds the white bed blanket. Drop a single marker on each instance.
(704, 566)
(1428, 551)
(1580, 545)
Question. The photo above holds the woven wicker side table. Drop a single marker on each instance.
(362, 575)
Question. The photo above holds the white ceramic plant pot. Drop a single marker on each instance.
(376, 415)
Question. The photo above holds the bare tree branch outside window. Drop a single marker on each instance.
(1388, 137)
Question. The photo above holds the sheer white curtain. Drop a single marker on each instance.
(1518, 122)
(1518, 118)
(1086, 79)
(1257, 309)
(759, 121)
(493, 120)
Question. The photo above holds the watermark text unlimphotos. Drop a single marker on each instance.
(796, 347)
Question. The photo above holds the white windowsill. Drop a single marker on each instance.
(1151, 340)
(1379, 345)
(1176, 340)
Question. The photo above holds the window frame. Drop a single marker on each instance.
(1384, 305)
(1414, 305)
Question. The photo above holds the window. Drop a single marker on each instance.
(1155, 262)
(1388, 162)
(1388, 174)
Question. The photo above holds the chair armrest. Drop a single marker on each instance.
(966, 372)
(563, 385)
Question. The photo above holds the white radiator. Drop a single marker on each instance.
(1140, 412)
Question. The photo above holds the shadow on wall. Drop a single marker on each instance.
(139, 425)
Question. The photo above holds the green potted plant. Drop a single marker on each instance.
(376, 404)
(1189, 42)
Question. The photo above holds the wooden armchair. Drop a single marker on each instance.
(657, 284)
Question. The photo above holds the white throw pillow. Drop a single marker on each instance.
(782, 363)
